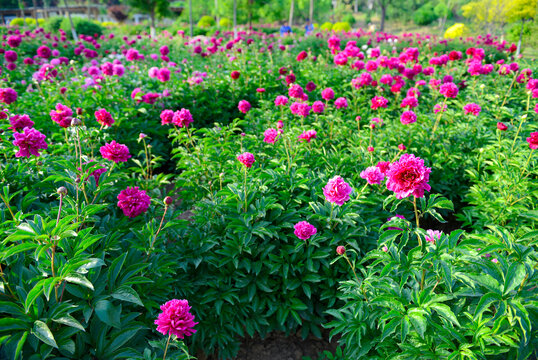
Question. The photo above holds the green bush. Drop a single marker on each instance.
(349, 18)
(17, 22)
(206, 21)
(82, 26)
(327, 26)
(52, 24)
(342, 26)
(225, 23)
(425, 14)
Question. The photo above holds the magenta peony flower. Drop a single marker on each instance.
(14, 41)
(308, 135)
(163, 75)
(304, 230)
(337, 191)
(8, 95)
(11, 56)
(176, 319)
(409, 101)
(235, 75)
(472, 108)
(167, 117)
(115, 152)
(408, 117)
(449, 90)
(244, 106)
(62, 115)
(439, 108)
(310, 86)
(182, 118)
(327, 94)
(296, 91)
(246, 159)
(19, 122)
(270, 135)
(133, 201)
(341, 102)
(281, 100)
(318, 107)
(301, 109)
(433, 235)
(44, 52)
(383, 166)
(533, 140)
(302, 55)
(29, 142)
(408, 176)
(501, 126)
(103, 117)
(373, 175)
(379, 102)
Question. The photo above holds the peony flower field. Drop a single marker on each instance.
(170, 197)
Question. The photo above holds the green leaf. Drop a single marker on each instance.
(444, 311)
(419, 322)
(43, 333)
(126, 293)
(485, 302)
(108, 313)
(514, 277)
(76, 278)
(20, 344)
(69, 321)
(36, 291)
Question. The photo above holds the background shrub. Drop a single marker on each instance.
(82, 26)
(206, 21)
(342, 26)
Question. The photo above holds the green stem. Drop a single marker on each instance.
(167, 343)
(417, 218)
(245, 188)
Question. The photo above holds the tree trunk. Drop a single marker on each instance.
(21, 8)
(356, 6)
(235, 19)
(73, 31)
(152, 28)
(383, 12)
(191, 27)
(217, 13)
(311, 14)
(250, 15)
(88, 12)
(518, 51)
(34, 2)
(290, 22)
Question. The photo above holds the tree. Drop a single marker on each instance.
(191, 26)
(383, 6)
(292, 5)
(488, 14)
(73, 30)
(153, 8)
(521, 10)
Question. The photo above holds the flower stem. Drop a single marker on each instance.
(7, 205)
(417, 218)
(527, 163)
(167, 343)
(245, 188)
(158, 230)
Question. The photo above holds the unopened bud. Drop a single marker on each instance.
(340, 250)
(76, 122)
(62, 191)
(168, 201)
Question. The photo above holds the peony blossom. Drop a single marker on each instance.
(30, 141)
(433, 235)
(114, 151)
(327, 94)
(7, 95)
(337, 191)
(373, 175)
(533, 140)
(281, 100)
(270, 135)
(449, 90)
(182, 118)
(501, 126)
(133, 201)
(246, 159)
(103, 117)
(379, 102)
(167, 117)
(176, 319)
(308, 135)
(340, 103)
(304, 230)
(244, 106)
(19, 122)
(62, 115)
(472, 108)
(340, 250)
(318, 107)
(408, 117)
(408, 176)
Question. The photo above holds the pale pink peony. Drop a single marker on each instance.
(304, 230)
(133, 201)
(408, 176)
(176, 319)
(373, 175)
(433, 235)
(30, 141)
(337, 191)
(115, 152)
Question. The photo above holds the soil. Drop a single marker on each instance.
(278, 346)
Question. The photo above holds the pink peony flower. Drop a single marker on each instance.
(449, 90)
(281, 100)
(103, 117)
(246, 159)
(296, 91)
(182, 118)
(270, 135)
(533, 140)
(8, 95)
(472, 108)
(340, 103)
(30, 141)
(163, 75)
(401, 147)
(302, 55)
(439, 108)
(379, 102)
(44, 52)
(337, 191)
(433, 235)
(235, 75)
(383, 166)
(115, 152)
(304, 230)
(408, 117)
(308, 135)
(176, 319)
(167, 117)
(409, 101)
(372, 175)
(501, 126)
(408, 176)
(340, 250)
(243, 106)
(300, 109)
(133, 201)
(62, 115)
(19, 122)
(327, 94)
(318, 107)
